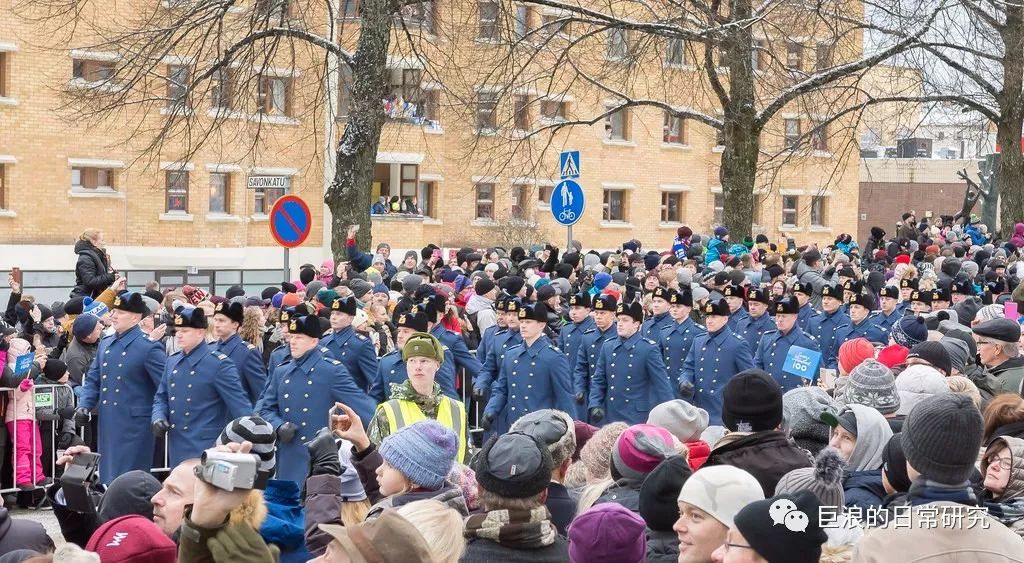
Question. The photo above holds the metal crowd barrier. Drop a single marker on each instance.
(45, 397)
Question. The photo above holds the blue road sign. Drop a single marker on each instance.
(569, 164)
(290, 221)
(568, 202)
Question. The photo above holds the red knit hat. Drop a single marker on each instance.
(892, 355)
(902, 259)
(853, 352)
(132, 539)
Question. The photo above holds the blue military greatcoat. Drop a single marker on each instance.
(459, 352)
(629, 373)
(713, 359)
(771, 355)
(587, 357)
(824, 328)
(530, 378)
(278, 357)
(804, 315)
(675, 342)
(738, 319)
(120, 386)
(571, 338)
(248, 362)
(501, 341)
(199, 394)
(753, 329)
(651, 328)
(868, 328)
(887, 321)
(391, 369)
(356, 351)
(303, 391)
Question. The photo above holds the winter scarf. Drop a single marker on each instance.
(404, 392)
(923, 492)
(1010, 513)
(517, 529)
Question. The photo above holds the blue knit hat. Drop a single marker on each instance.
(423, 452)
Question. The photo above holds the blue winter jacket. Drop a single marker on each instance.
(284, 524)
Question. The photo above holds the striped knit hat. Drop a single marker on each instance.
(261, 434)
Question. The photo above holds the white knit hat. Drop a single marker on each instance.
(721, 491)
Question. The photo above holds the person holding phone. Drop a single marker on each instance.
(93, 272)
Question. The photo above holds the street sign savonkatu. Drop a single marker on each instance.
(290, 221)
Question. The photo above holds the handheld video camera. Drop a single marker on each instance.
(229, 471)
(77, 482)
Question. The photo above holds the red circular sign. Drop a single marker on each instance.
(290, 221)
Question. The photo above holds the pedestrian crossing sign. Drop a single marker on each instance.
(569, 164)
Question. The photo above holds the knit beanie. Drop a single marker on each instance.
(752, 402)
(958, 351)
(607, 532)
(916, 383)
(130, 539)
(933, 353)
(659, 491)
(129, 493)
(894, 464)
(853, 352)
(873, 385)
(721, 491)
(988, 313)
(94, 308)
(83, 326)
(784, 528)
(685, 421)
(941, 438)
(596, 453)
(825, 479)
(639, 450)
(423, 451)
(801, 416)
(893, 355)
(909, 331)
(258, 431)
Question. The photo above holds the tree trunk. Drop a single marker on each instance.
(1008, 133)
(742, 134)
(348, 197)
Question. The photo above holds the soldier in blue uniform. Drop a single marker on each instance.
(863, 324)
(760, 322)
(802, 292)
(889, 311)
(907, 286)
(825, 326)
(735, 297)
(435, 307)
(589, 353)
(677, 338)
(120, 386)
(940, 299)
(630, 378)
(570, 340)
(227, 318)
(391, 368)
(350, 347)
(771, 353)
(489, 332)
(651, 328)
(851, 289)
(714, 358)
(200, 391)
(534, 375)
(281, 354)
(960, 290)
(920, 302)
(301, 393)
(508, 311)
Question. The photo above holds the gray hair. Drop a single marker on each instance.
(1009, 349)
(490, 501)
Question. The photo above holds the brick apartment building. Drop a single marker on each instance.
(195, 221)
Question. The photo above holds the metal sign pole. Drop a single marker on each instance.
(287, 251)
(568, 242)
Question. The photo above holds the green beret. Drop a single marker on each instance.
(425, 345)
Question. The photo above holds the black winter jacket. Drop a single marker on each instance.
(92, 272)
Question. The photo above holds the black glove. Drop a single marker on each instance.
(82, 417)
(323, 454)
(686, 389)
(478, 392)
(486, 420)
(286, 432)
(160, 428)
(596, 414)
(579, 398)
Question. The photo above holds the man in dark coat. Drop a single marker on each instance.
(556, 430)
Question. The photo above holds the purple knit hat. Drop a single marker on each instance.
(640, 449)
(607, 532)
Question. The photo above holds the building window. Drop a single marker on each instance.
(489, 29)
(83, 178)
(794, 55)
(548, 27)
(819, 136)
(819, 211)
(553, 110)
(264, 199)
(671, 207)
(178, 78)
(521, 109)
(823, 56)
(410, 179)
(524, 15)
(485, 201)
(427, 192)
(486, 120)
(220, 192)
(222, 90)
(4, 62)
(273, 97)
(421, 15)
(618, 44)
(673, 130)
(344, 92)
(789, 210)
(92, 71)
(407, 100)
(3, 186)
(792, 132)
(614, 205)
(675, 53)
(544, 194)
(718, 209)
(719, 138)
(177, 191)
(759, 56)
(616, 124)
(520, 201)
(350, 9)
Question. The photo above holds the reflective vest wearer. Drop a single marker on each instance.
(450, 414)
